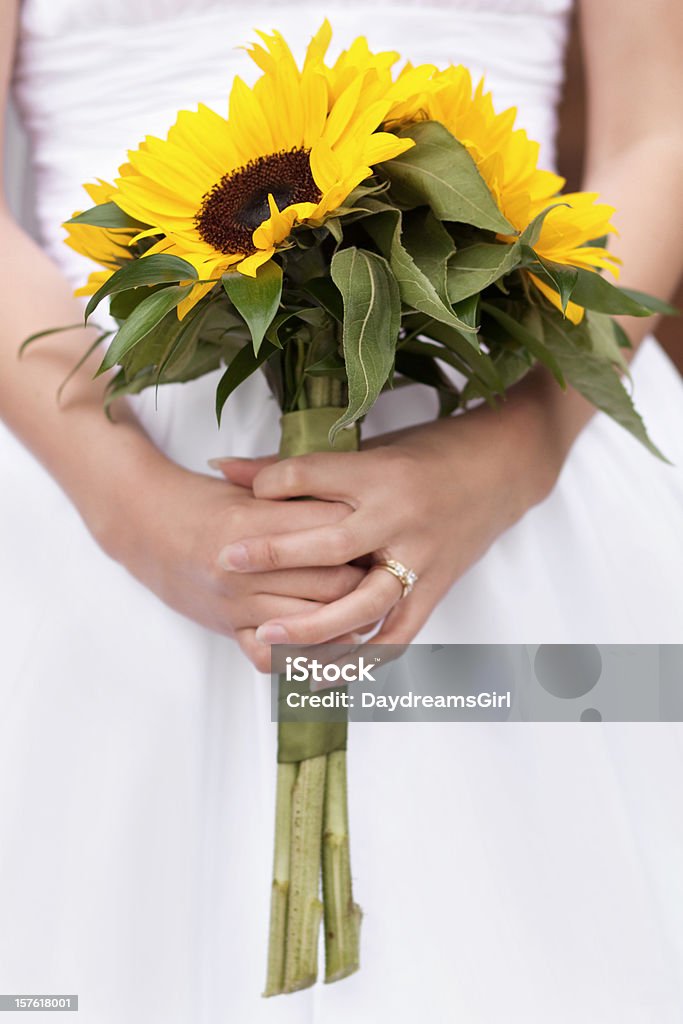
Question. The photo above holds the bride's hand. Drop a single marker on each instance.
(433, 497)
(171, 537)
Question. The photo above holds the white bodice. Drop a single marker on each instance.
(94, 76)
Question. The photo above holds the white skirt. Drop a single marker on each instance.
(517, 873)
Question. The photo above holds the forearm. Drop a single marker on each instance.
(85, 453)
(642, 181)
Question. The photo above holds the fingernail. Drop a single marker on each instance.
(235, 557)
(220, 462)
(272, 634)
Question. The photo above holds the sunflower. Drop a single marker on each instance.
(508, 161)
(107, 246)
(225, 193)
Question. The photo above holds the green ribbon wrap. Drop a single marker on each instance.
(303, 432)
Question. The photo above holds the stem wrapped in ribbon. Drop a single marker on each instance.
(311, 817)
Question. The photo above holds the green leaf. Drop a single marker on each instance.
(520, 333)
(593, 377)
(478, 266)
(415, 288)
(323, 291)
(445, 355)
(467, 310)
(532, 231)
(179, 357)
(562, 278)
(81, 362)
(148, 270)
(330, 365)
(146, 316)
(622, 337)
(430, 246)
(424, 370)
(440, 173)
(511, 365)
(242, 366)
(471, 360)
(44, 334)
(604, 339)
(591, 290)
(256, 298)
(651, 302)
(154, 349)
(107, 215)
(372, 318)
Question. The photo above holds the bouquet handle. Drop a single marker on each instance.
(311, 815)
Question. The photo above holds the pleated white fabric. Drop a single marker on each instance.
(508, 873)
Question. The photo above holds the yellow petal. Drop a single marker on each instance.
(250, 264)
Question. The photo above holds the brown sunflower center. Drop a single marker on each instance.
(238, 203)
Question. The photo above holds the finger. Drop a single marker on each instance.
(259, 608)
(371, 600)
(354, 536)
(322, 475)
(404, 622)
(260, 655)
(250, 518)
(323, 584)
(241, 471)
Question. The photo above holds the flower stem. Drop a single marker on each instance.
(275, 980)
(342, 915)
(304, 909)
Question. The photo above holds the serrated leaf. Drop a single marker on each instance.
(439, 172)
(520, 333)
(107, 215)
(242, 366)
(143, 319)
(473, 269)
(415, 288)
(372, 318)
(148, 270)
(594, 378)
(256, 298)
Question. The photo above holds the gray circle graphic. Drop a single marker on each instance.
(568, 670)
(591, 715)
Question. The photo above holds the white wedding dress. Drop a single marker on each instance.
(509, 873)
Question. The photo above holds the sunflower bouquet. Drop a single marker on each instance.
(348, 229)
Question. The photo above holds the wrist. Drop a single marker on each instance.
(115, 488)
(539, 423)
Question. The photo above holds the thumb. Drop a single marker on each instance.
(241, 471)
